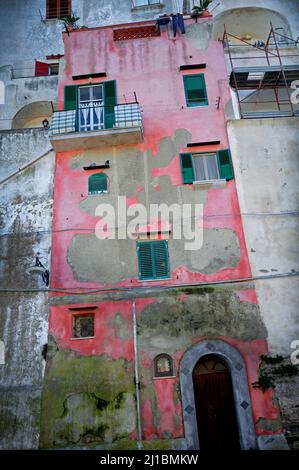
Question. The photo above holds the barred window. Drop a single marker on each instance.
(83, 326)
(58, 8)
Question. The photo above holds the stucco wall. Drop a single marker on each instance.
(28, 100)
(25, 231)
(149, 172)
(267, 175)
(166, 322)
(24, 35)
(267, 181)
(288, 9)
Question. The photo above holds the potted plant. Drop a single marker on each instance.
(71, 20)
(201, 10)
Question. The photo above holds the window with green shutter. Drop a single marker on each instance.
(225, 164)
(187, 167)
(207, 166)
(97, 183)
(153, 260)
(70, 97)
(109, 101)
(195, 90)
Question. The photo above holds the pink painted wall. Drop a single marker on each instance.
(149, 67)
(106, 341)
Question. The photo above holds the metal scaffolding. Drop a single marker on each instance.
(263, 78)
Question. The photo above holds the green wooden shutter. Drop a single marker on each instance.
(109, 103)
(70, 97)
(161, 264)
(187, 168)
(153, 262)
(145, 262)
(195, 90)
(97, 183)
(225, 164)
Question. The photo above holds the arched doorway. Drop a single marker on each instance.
(215, 407)
(236, 367)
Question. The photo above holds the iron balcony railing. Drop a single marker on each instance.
(94, 116)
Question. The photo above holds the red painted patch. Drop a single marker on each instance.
(247, 295)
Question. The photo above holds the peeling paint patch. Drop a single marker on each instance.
(247, 295)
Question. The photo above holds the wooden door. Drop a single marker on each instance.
(215, 407)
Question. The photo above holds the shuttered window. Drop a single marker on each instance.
(97, 183)
(153, 260)
(187, 167)
(58, 8)
(70, 97)
(225, 164)
(109, 103)
(206, 166)
(109, 97)
(195, 90)
(41, 69)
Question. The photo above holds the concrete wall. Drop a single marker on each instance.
(25, 231)
(267, 176)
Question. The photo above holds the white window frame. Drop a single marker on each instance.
(203, 155)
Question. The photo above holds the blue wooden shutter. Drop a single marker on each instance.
(70, 97)
(187, 168)
(225, 164)
(195, 90)
(97, 183)
(109, 103)
(153, 261)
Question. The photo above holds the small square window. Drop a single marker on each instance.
(205, 167)
(195, 90)
(163, 366)
(58, 8)
(153, 260)
(83, 326)
(53, 69)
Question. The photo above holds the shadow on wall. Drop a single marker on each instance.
(32, 115)
(250, 24)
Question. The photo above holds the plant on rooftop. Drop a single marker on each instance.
(70, 20)
(200, 10)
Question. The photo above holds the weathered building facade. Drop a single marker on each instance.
(193, 310)
(140, 330)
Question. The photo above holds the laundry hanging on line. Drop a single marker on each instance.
(177, 23)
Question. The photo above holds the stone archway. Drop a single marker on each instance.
(32, 115)
(242, 399)
(251, 23)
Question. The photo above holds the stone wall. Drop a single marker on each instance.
(25, 232)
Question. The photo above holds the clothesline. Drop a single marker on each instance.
(176, 20)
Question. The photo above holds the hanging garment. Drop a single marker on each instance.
(178, 22)
(162, 22)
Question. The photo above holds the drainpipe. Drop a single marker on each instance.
(136, 378)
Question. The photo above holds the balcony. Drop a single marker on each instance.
(95, 125)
